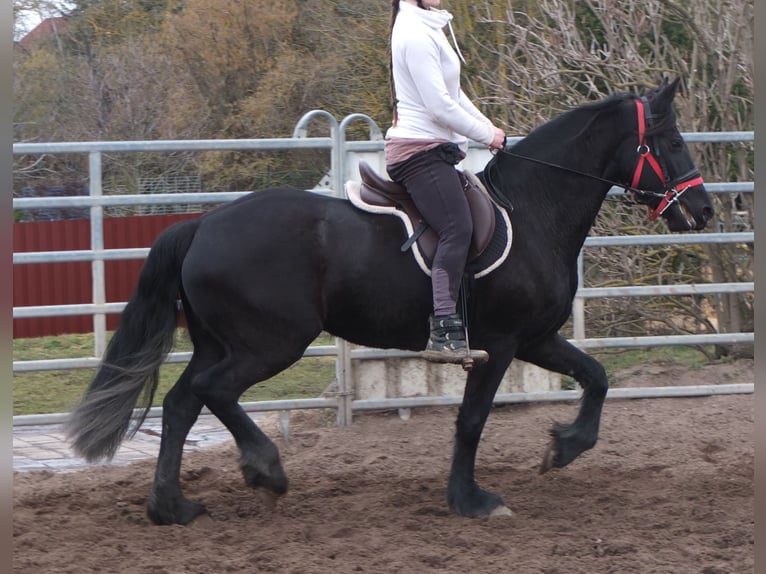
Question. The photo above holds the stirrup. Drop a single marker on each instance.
(466, 357)
(448, 343)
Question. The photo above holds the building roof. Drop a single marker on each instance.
(50, 27)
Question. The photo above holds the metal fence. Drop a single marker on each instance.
(344, 159)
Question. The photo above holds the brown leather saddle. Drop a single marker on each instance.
(379, 192)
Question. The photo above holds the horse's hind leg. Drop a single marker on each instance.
(570, 440)
(180, 408)
(219, 388)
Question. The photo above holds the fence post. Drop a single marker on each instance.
(344, 391)
(578, 305)
(97, 245)
(343, 363)
(374, 135)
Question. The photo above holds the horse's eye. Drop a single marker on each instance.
(677, 143)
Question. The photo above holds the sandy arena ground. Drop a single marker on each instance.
(667, 490)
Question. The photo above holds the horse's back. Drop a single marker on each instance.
(269, 227)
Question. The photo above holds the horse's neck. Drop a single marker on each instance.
(558, 203)
(553, 206)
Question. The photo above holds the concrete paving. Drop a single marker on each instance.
(44, 447)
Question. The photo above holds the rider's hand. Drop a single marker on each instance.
(498, 140)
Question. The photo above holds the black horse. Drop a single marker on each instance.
(260, 278)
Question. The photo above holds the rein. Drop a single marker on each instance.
(670, 193)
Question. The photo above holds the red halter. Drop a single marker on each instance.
(647, 157)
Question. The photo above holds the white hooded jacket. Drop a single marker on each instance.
(426, 70)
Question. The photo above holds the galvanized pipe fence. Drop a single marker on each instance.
(344, 158)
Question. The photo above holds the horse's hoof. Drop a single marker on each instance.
(548, 457)
(268, 498)
(275, 481)
(181, 512)
(473, 502)
(501, 511)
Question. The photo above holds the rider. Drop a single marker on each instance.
(433, 118)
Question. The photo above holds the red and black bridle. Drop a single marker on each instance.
(673, 189)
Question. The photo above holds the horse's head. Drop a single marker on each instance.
(664, 177)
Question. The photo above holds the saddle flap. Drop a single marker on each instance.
(482, 213)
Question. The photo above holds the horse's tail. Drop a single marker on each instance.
(130, 366)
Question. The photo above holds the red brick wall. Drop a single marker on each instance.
(71, 282)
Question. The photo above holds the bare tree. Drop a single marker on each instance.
(537, 59)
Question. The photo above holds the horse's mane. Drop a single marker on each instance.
(564, 125)
(590, 111)
(568, 126)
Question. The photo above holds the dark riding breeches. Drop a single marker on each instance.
(436, 189)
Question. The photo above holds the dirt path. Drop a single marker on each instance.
(667, 490)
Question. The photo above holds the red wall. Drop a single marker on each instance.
(71, 282)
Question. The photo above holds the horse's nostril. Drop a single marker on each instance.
(707, 213)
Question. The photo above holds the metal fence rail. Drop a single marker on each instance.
(446, 401)
(344, 157)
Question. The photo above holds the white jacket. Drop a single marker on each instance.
(426, 70)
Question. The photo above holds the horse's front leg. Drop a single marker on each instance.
(464, 495)
(570, 440)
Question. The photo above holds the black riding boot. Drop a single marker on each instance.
(447, 342)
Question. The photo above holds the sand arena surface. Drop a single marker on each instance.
(668, 489)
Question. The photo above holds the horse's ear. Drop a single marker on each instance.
(662, 96)
(672, 86)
